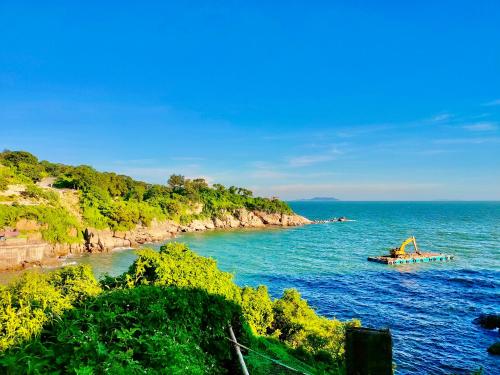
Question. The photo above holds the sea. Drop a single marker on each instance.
(429, 308)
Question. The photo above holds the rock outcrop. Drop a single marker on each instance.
(494, 348)
(488, 321)
(23, 255)
(16, 253)
(243, 218)
(98, 240)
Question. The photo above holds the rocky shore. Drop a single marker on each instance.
(19, 253)
(490, 321)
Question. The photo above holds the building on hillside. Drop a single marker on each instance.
(8, 233)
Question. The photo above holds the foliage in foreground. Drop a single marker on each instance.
(37, 298)
(168, 313)
(145, 330)
(289, 318)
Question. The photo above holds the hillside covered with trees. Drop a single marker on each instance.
(66, 199)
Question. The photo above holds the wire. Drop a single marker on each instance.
(268, 358)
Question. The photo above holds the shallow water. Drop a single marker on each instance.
(428, 307)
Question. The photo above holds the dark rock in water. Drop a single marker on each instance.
(494, 349)
(488, 321)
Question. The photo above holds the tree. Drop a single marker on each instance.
(245, 192)
(176, 182)
(24, 163)
(219, 187)
(14, 158)
(199, 184)
(137, 192)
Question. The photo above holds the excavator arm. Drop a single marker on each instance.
(400, 251)
(406, 242)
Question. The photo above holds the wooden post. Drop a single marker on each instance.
(238, 352)
(368, 351)
(415, 244)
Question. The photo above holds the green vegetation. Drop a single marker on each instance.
(23, 163)
(108, 200)
(145, 330)
(57, 223)
(168, 314)
(36, 298)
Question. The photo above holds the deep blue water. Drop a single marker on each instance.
(428, 307)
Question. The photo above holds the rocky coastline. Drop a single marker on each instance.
(32, 251)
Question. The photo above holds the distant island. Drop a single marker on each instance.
(320, 199)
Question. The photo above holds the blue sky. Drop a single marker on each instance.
(383, 100)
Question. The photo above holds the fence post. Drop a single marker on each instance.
(368, 351)
(238, 352)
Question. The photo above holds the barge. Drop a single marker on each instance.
(413, 258)
(398, 255)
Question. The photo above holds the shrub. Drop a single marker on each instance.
(297, 324)
(37, 298)
(168, 314)
(258, 308)
(5, 175)
(289, 318)
(23, 163)
(176, 265)
(141, 330)
(33, 191)
(57, 222)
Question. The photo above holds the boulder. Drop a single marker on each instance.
(17, 257)
(269, 219)
(231, 221)
(248, 218)
(494, 349)
(34, 237)
(226, 221)
(219, 223)
(119, 234)
(488, 321)
(209, 224)
(77, 248)
(294, 220)
(25, 224)
(197, 225)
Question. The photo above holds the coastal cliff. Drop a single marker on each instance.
(157, 231)
(51, 210)
(31, 250)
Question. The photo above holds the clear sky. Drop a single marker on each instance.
(375, 100)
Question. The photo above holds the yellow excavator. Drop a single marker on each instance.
(398, 255)
(399, 252)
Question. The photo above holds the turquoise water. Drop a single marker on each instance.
(428, 307)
